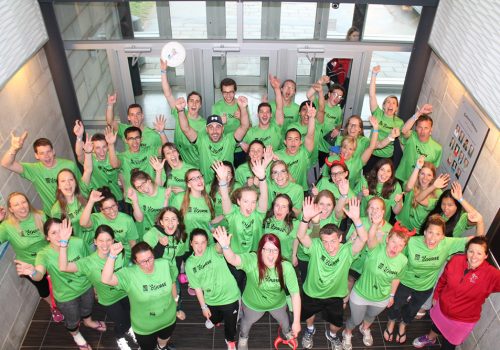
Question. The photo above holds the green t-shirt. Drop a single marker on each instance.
(293, 190)
(151, 207)
(197, 214)
(210, 273)
(219, 108)
(103, 174)
(378, 273)
(389, 202)
(385, 126)
(333, 117)
(139, 160)
(150, 137)
(66, 286)
(212, 151)
(246, 230)
(413, 148)
(461, 226)
(286, 237)
(152, 306)
(325, 184)
(415, 217)
(267, 295)
(91, 266)
(45, 179)
(176, 176)
(123, 226)
(354, 165)
(187, 150)
(270, 136)
(26, 240)
(359, 263)
(318, 138)
(327, 275)
(362, 143)
(291, 113)
(243, 173)
(424, 264)
(298, 165)
(73, 212)
(172, 250)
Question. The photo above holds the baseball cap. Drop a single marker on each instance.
(214, 118)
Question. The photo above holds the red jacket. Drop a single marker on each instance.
(462, 292)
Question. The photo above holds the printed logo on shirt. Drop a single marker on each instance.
(51, 180)
(29, 233)
(197, 210)
(420, 151)
(293, 162)
(328, 262)
(215, 149)
(139, 161)
(248, 224)
(272, 226)
(473, 278)
(386, 269)
(106, 169)
(144, 287)
(200, 267)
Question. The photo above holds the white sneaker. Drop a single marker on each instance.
(209, 324)
(346, 341)
(122, 344)
(243, 343)
(367, 336)
(131, 333)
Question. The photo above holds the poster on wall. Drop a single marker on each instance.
(464, 142)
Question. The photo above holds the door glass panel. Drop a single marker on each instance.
(339, 21)
(297, 20)
(188, 19)
(231, 19)
(144, 19)
(391, 78)
(391, 22)
(243, 65)
(252, 17)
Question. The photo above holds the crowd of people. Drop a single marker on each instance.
(295, 216)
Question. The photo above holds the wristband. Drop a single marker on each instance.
(414, 117)
(163, 71)
(177, 298)
(305, 221)
(391, 295)
(224, 247)
(263, 179)
(110, 106)
(374, 74)
(222, 184)
(112, 257)
(460, 200)
(204, 307)
(33, 274)
(87, 152)
(79, 138)
(344, 196)
(358, 226)
(391, 138)
(161, 132)
(374, 130)
(63, 242)
(418, 167)
(180, 110)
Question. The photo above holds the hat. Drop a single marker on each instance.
(214, 118)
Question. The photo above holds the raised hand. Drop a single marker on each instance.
(66, 230)
(156, 163)
(310, 209)
(425, 109)
(268, 155)
(159, 123)
(110, 135)
(274, 81)
(24, 269)
(78, 129)
(242, 102)
(116, 248)
(163, 64)
(395, 132)
(311, 111)
(317, 87)
(442, 181)
(88, 146)
(180, 104)
(325, 79)
(220, 171)
(314, 190)
(456, 190)
(224, 117)
(365, 191)
(163, 240)
(374, 122)
(132, 194)
(474, 217)
(420, 161)
(220, 234)
(259, 168)
(112, 99)
(353, 211)
(95, 196)
(398, 197)
(376, 69)
(17, 142)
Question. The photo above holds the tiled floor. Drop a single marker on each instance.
(192, 334)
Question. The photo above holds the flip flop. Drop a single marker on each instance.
(399, 336)
(101, 327)
(390, 335)
(420, 315)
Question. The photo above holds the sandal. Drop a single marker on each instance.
(85, 346)
(399, 336)
(420, 315)
(101, 327)
(390, 335)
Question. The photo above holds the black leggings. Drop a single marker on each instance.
(405, 311)
(445, 344)
(119, 313)
(41, 286)
(149, 341)
(229, 314)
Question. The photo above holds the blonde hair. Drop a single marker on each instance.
(417, 189)
(38, 215)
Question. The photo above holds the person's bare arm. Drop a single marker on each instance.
(167, 91)
(110, 112)
(224, 240)
(191, 134)
(9, 158)
(373, 89)
(239, 133)
(373, 141)
(78, 130)
(278, 113)
(110, 136)
(406, 130)
(309, 141)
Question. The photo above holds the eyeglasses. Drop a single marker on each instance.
(339, 173)
(110, 208)
(146, 261)
(271, 250)
(196, 178)
(354, 126)
(278, 172)
(336, 95)
(140, 187)
(228, 92)
(137, 138)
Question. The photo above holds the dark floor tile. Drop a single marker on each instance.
(36, 332)
(42, 312)
(57, 335)
(260, 337)
(192, 337)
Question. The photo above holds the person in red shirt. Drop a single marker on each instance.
(466, 282)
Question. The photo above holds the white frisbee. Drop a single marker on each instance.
(174, 53)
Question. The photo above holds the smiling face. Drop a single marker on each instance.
(331, 243)
(46, 155)
(169, 222)
(280, 175)
(144, 186)
(476, 255)
(335, 97)
(171, 155)
(194, 105)
(269, 254)
(337, 173)
(354, 127)
(135, 116)
(425, 177)
(53, 235)
(146, 261)
(133, 141)
(326, 206)
(448, 207)
(293, 141)
(390, 106)
(256, 151)
(19, 206)
(433, 235)
(281, 208)
(214, 131)
(384, 174)
(376, 210)
(395, 245)
(347, 150)
(247, 202)
(228, 93)
(109, 209)
(100, 149)
(288, 91)
(66, 183)
(195, 181)
(103, 243)
(264, 116)
(199, 244)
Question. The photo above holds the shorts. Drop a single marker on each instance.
(332, 309)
